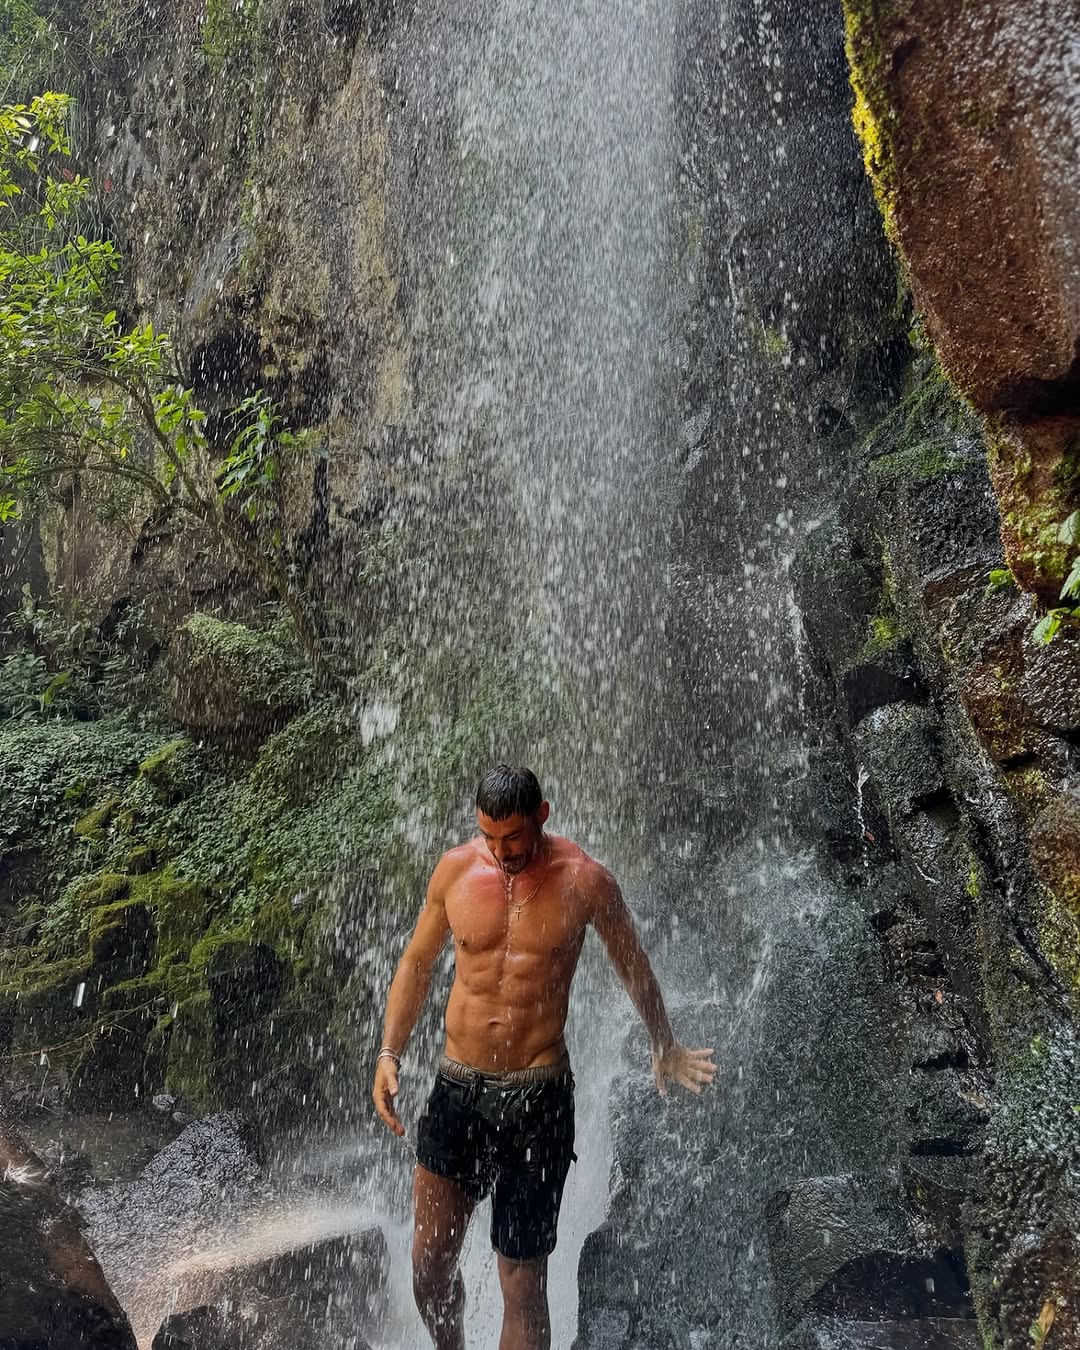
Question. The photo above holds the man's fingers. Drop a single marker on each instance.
(385, 1091)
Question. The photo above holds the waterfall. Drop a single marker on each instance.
(540, 215)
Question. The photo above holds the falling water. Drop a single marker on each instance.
(540, 211)
(590, 533)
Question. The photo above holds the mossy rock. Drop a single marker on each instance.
(94, 824)
(232, 684)
(929, 434)
(43, 1003)
(301, 758)
(121, 937)
(143, 859)
(174, 771)
(190, 1052)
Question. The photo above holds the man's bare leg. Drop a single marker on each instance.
(442, 1211)
(526, 1321)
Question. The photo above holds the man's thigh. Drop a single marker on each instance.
(443, 1210)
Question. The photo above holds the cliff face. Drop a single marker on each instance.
(959, 722)
(905, 755)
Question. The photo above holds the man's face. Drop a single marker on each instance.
(513, 842)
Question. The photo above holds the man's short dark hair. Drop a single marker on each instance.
(507, 790)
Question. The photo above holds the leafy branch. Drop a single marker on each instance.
(90, 406)
(1048, 626)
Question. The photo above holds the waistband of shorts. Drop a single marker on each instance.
(508, 1078)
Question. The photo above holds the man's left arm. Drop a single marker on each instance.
(671, 1060)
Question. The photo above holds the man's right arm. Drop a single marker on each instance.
(408, 989)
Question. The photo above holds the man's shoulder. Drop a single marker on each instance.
(456, 860)
(588, 876)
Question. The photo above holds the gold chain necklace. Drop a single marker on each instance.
(508, 881)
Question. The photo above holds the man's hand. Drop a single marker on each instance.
(692, 1069)
(385, 1094)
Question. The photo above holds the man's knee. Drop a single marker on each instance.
(523, 1282)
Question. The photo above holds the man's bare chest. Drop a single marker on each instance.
(542, 922)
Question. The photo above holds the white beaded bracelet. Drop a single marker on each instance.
(387, 1053)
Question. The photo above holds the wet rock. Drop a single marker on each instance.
(212, 1165)
(1023, 1233)
(986, 249)
(848, 1246)
(245, 980)
(286, 1098)
(205, 1328)
(991, 255)
(164, 1102)
(901, 748)
(838, 588)
(933, 1333)
(1051, 683)
(312, 1295)
(937, 1187)
(935, 1046)
(1055, 843)
(882, 675)
(947, 1115)
(53, 1293)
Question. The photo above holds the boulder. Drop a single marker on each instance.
(212, 1165)
(991, 254)
(929, 1333)
(245, 980)
(900, 746)
(306, 1296)
(53, 1294)
(947, 1114)
(230, 683)
(848, 1246)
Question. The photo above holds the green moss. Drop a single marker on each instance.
(125, 924)
(143, 859)
(886, 634)
(1032, 513)
(929, 433)
(174, 770)
(867, 23)
(44, 976)
(94, 823)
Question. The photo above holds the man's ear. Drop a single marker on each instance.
(542, 813)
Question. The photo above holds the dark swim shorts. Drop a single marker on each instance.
(511, 1134)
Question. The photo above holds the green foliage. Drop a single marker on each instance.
(33, 51)
(228, 28)
(44, 763)
(928, 433)
(60, 666)
(1000, 579)
(90, 405)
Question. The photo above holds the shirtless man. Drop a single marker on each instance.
(517, 902)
